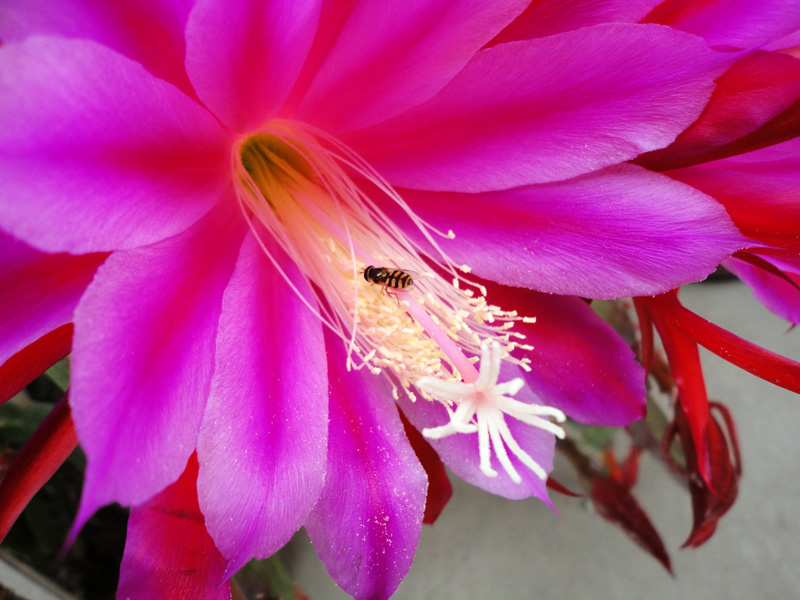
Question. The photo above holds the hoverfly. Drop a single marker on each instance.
(389, 279)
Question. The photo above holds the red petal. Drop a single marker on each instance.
(646, 331)
(763, 206)
(760, 362)
(710, 504)
(45, 452)
(168, 553)
(755, 104)
(762, 264)
(732, 435)
(440, 490)
(684, 359)
(30, 362)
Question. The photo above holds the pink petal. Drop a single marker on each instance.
(619, 232)
(40, 292)
(547, 110)
(143, 356)
(146, 31)
(367, 522)
(730, 23)
(169, 554)
(460, 451)
(777, 294)
(761, 197)
(97, 154)
(549, 17)
(778, 160)
(755, 104)
(262, 444)
(789, 43)
(334, 14)
(244, 56)
(579, 363)
(390, 57)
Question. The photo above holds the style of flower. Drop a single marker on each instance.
(198, 186)
(487, 402)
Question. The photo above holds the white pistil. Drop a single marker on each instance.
(481, 407)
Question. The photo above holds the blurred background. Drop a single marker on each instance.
(484, 546)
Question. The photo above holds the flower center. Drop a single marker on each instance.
(401, 310)
(307, 192)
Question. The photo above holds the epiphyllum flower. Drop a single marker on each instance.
(240, 197)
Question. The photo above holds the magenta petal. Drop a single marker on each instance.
(39, 292)
(143, 356)
(623, 231)
(754, 105)
(392, 56)
(758, 189)
(98, 154)
(777, 294)
(148, 32)
(367, 522)
(731, 23)
(244, 56)
(547, 109)
(460, 451)
(262, 444)
(549, 17)
(578, 363)
(168, 553)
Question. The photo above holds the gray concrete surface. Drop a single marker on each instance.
(488, 547)
(18, 580)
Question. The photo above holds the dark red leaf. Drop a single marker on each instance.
(36, 462)
(554, 485)
(629, 471)
(614, 502)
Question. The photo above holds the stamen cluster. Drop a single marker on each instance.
(307, 191)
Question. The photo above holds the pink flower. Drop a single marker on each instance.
(241, 192)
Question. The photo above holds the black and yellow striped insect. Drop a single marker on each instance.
(393, 279)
